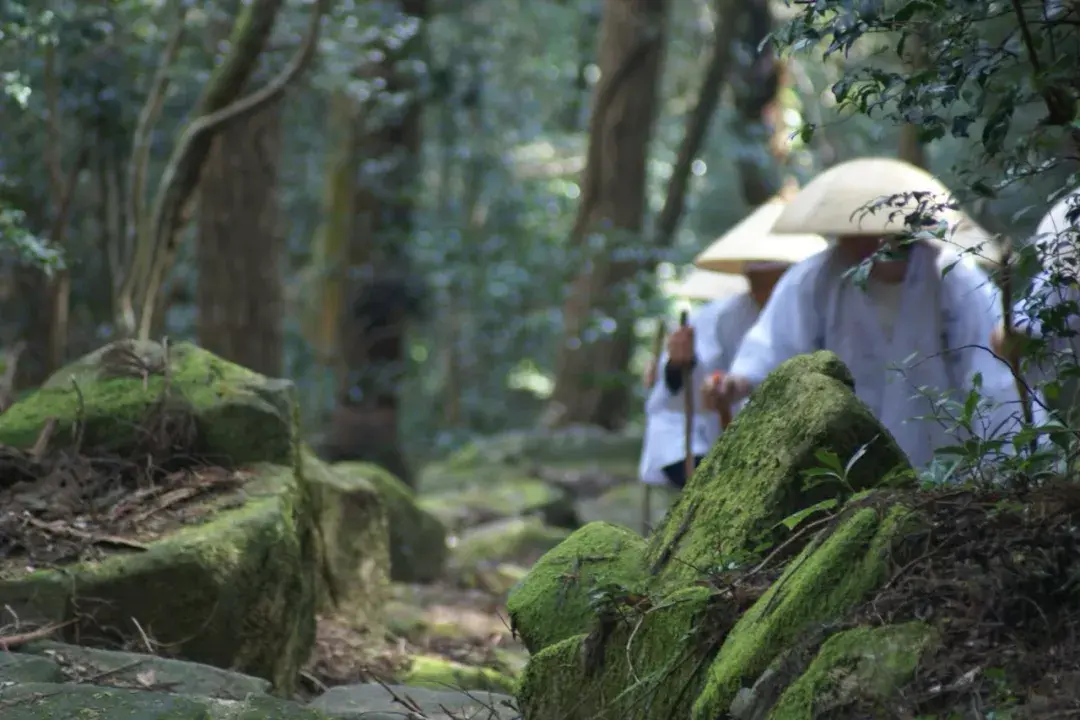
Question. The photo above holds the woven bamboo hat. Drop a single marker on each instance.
(753, 242)
(856, 198)
(704, 285)
(1056, 236)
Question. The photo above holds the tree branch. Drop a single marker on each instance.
(53, 163)
(697, 122)
(181, 174)
(140, 154)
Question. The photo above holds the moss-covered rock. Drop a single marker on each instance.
(237, 592)
(41, 701)
(753, 477)
(828, 579)
(432, 671)
(862, 668)
(552, 603)
(354, 539)
(241, 416)
(515, 497)
(647, 664)
(521, 539)
(417, 538)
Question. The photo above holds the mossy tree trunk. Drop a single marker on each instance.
(592, 384)
(240, 297)
(378, 286)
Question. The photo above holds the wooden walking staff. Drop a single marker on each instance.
(1007, 326)
(657, 349)
(688, 408)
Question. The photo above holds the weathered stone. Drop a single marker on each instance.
(354, 554)
(621, 505)
(524, 539)
(42, 701)
(238, 590)
(20, 668)
(516, 497)
(828, 579)
(753, 478)
(552, 603)
(143, 672)
(863, 667)
(241, 416)
(375, 702)
(642, 665)
(417, 538)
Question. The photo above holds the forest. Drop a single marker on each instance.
(422, 197)
(455, 228)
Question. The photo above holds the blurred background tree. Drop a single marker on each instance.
(442, 218)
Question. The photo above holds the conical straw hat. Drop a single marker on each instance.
(855, 198)
(752, 241)
(704, 285)
(1057, 236)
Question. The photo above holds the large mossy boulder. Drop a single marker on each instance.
(237, 588)
(417, 538)
(643, 631)
(755, 476)
(354, 540)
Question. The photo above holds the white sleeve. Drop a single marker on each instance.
(786, 327)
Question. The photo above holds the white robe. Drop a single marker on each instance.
(719, 327)
(814, 307)
(1043, 295)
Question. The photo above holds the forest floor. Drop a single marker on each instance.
(442, 620)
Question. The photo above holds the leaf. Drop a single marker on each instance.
(858, 455)
(830, 460)
(792, 521)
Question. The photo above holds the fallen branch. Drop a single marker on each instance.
(70, 532)
(12, 641)
(41, 445)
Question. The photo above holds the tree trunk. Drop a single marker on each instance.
(592, 385)
(364, 425)
(240, 297)
(756, 86)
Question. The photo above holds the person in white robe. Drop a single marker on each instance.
(917, 328)
(1054, 291)
(708, 343)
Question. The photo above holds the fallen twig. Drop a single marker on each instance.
(41, 445)
(71, 532)
(10, 641)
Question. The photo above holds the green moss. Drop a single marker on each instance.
(417, 538)
(236, 592)
(241, 416)
(507, 498)
(864, 666)
(753, 477)
(552, 602)
(88, 702)
(353, 550)
(820, 585)
(441, 674)
(649, 667)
